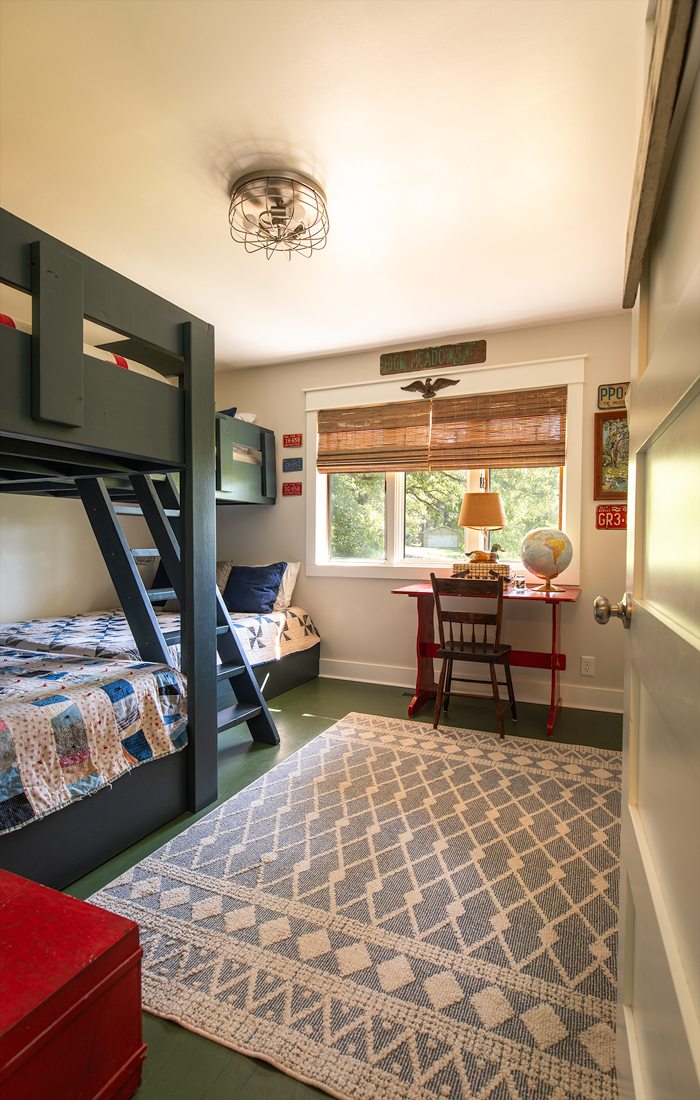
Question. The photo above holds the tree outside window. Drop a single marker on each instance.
(356, 516)
(531, 498)
(432, 500)
(357, 507)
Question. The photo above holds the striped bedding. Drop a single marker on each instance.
(106, 634)
(69, 726)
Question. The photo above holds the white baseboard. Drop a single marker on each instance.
(528, 688)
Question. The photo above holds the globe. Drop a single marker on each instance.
(546, 552)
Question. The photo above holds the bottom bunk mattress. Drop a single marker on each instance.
(106, 634)
(69, 726)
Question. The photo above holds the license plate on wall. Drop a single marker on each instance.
(611, 517)
(612, 395)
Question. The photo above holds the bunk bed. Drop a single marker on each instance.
(283, 648)
(122, 441)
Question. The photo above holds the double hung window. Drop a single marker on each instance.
(386, 473)
(396, 473)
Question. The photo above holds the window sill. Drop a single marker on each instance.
(412, 571)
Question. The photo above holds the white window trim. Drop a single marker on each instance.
(569, 371)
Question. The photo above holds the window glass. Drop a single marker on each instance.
(357, 516)
(432, 502)
(531, 498)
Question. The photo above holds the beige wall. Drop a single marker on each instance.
(49, 560)
(367, 633)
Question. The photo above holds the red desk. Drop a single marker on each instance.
(426, 647)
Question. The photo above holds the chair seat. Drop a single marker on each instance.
(469, 652)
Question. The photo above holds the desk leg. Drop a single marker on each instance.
(426, 688)
(555, 698)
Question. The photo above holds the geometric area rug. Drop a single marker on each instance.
(398, 913)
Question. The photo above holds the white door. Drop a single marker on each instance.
(659, 1012)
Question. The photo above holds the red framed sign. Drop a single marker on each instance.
(611, 517)
(291, 488)
(294, 440)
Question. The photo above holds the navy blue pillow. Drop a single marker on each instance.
(253, 588)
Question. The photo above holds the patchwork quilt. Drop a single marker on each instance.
(103, 634)
(70, 725)
(106, 634)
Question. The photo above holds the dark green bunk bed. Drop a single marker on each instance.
(70, 426)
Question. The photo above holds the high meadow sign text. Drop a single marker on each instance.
(447, 355)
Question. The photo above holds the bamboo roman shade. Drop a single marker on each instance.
(517, 428)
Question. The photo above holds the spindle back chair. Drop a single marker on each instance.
(476, 646)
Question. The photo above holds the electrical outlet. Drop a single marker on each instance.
(588, 666)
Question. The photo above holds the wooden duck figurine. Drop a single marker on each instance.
(485, 555)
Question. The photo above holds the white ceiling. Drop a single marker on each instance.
(477, 156)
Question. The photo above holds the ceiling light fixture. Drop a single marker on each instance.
(278, 212)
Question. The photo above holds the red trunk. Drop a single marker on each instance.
(70, 1006)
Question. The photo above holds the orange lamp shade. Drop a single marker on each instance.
(483, 511)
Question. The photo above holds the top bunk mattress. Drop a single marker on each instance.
(106, 634)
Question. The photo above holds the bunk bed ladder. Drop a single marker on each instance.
(126, 578)
(157, 498)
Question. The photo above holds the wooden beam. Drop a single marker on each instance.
(197, 534)
(57, 336)
(673, 20)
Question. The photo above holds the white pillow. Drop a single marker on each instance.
(286, 590)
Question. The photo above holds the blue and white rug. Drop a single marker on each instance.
(399, 913)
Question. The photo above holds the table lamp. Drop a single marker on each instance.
(482, 512)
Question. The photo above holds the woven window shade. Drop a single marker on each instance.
(518, 428)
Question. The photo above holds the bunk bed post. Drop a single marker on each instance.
(198, 556)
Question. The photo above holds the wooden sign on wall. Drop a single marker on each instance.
(291, 488)
(446, 355)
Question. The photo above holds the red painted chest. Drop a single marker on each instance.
(70, 997)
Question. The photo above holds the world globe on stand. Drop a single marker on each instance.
(546, 552)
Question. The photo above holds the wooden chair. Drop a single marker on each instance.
(471, 648)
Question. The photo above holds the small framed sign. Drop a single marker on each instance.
(611, 455)
(291, 488)
(293, 440)
(292, 465)
(611, 517)
(612, 395)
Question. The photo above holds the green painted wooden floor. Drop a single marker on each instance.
(184, 1066)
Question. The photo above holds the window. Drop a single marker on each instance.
(385, 494)
(357, 517)
(531, 498)
(431, 500)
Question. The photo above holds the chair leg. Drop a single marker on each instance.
(448, 685)
(438, 697)
(511, 693)
(497, 701)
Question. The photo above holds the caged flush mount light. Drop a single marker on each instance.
(279, 212)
